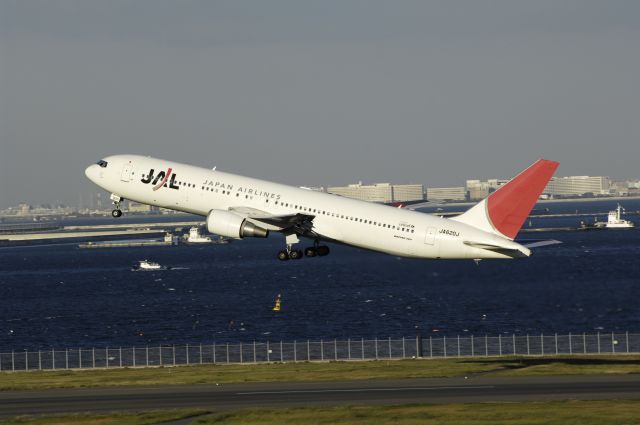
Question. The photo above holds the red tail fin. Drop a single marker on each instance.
(506, 209)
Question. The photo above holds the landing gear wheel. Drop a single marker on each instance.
(310, 252)
(295, 254)
(283, 255)
(322, 250)
(116, 213)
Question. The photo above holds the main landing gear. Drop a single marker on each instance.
(295, 254)
(117, 212)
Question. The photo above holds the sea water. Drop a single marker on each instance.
(62, 296)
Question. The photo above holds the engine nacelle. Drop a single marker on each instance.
(228, 224)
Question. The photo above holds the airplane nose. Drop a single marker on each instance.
(92, 172)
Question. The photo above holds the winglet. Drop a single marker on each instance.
(505, 210)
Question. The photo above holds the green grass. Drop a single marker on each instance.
(139, 418)
(398, 369)
(614, 412)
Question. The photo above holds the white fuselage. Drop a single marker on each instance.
(362, 224)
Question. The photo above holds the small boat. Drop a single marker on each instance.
(195, 237)
(146, 265)
(585, 225)
(615, 220)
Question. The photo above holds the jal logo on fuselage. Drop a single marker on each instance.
(166, 179)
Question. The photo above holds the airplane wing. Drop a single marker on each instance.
(299, 223)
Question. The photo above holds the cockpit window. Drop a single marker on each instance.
(102, 163)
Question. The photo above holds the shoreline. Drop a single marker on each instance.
(555, 201)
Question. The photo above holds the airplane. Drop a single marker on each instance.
(238, 207)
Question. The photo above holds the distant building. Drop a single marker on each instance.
(408, 192)
(578, 186)
(380, 192)
(619, 188)
(314, 188)
(633, 184)
(137, 207)
(458, 193)
(624, 187)
(478, 189)
(24, 209)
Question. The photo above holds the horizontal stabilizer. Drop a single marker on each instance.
(510, 252)
(539, 243)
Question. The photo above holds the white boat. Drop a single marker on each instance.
(196, 237)
(615, 221)
(146, 265)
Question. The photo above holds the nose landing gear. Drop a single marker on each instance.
(117, 212)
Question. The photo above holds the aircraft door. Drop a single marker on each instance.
(430, 236)
(127, 171)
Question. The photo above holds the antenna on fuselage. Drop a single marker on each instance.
(214, 168)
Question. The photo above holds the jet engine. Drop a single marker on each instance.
(225, 223)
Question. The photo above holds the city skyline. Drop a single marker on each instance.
(302, 93)
(100, 199)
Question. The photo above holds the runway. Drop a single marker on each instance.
(291, 394)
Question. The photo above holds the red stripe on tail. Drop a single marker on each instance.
(509, 206)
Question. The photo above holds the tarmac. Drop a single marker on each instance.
(328, 393)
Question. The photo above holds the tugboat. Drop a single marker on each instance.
(614, 220)
(146, 266)
(195, 237)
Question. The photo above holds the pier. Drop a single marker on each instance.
(99, 230)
